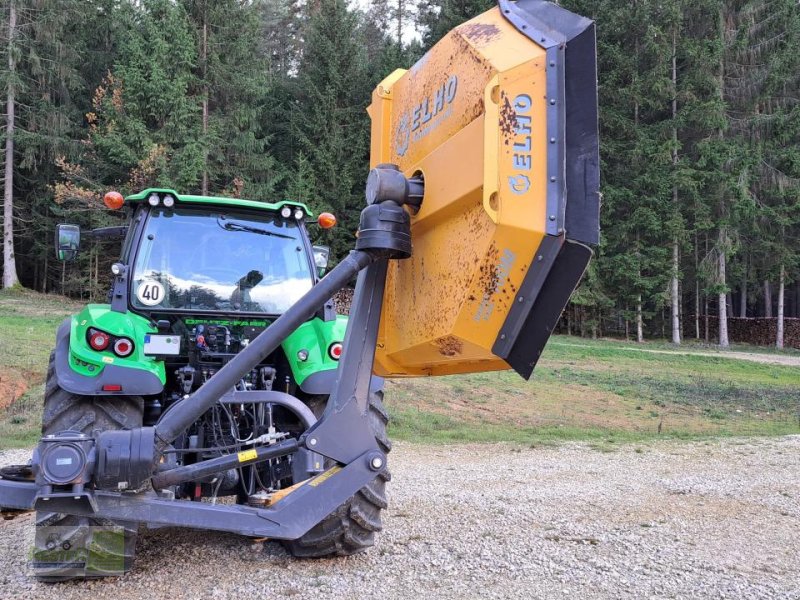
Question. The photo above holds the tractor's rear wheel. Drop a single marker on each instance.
(63, 540)
(351, 528)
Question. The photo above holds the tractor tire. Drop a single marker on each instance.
(107, 554)
(351, 528)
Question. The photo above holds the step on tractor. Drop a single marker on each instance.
(218, 389)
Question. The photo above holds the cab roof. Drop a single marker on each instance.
(216, 200)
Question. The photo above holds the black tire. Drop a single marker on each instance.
(107, 554)
(351, 528)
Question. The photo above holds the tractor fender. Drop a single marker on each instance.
(134, 382)
(322, 382)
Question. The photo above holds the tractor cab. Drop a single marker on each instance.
(197, 280)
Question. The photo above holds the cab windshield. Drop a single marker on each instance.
(226, 261)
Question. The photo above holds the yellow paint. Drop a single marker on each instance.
(247, 455)
(460, 117)
(108, 359)
(320, 479)
(275, 497)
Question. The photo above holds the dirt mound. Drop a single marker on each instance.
(12, 387)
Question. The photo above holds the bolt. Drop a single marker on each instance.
(552, 100)
(312, 442)
(552, 140)
(502, 336)
(376, 463)
(552, 217)
(552, 178)
(520, 299)
(552, 63)
(540, 258)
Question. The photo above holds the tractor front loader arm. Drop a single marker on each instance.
(121, 475)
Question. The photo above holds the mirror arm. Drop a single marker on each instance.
(119, 289)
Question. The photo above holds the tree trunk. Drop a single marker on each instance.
(9, 261)
(639, 324)
(781, 282)
(400, 13)
(696, 291)
(674, 289)
(204, 59)
(743, 292)
(767, 299)
(723, 296)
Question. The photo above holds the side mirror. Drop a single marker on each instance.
(321, 255)
(68, 241)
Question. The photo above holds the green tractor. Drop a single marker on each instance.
(198, 279)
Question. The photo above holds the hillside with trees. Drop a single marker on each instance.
(266, 99)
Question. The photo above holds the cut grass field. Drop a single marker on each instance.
(602, 391)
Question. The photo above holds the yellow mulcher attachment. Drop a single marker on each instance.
(500, 120)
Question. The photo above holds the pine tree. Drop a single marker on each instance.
(329, 116)
(232, 86)
(438, 17)
(144, 127)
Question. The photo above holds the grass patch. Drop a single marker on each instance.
(590, 390)
(420, 426)
(602, 391)
(28, 323)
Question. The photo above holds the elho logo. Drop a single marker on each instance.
(426, 116)
(521, 159)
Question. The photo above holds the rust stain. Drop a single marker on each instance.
(480, 33)
(449, 345)
(488, 277)
(508, 119)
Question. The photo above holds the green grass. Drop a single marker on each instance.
(28, 323)
(601, 391)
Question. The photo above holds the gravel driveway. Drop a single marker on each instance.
(718, 519)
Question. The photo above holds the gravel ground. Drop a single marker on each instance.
(717, 519)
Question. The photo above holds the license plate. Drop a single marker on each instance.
(162, 344)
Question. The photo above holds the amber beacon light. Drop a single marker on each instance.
(113, 200)
(326, 220)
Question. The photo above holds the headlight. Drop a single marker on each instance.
(286, 212)
(153, 199)
(299, 214)
(169, 201)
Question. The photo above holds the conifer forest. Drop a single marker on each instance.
(265, 99)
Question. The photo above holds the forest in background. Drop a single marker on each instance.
(266, 99)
